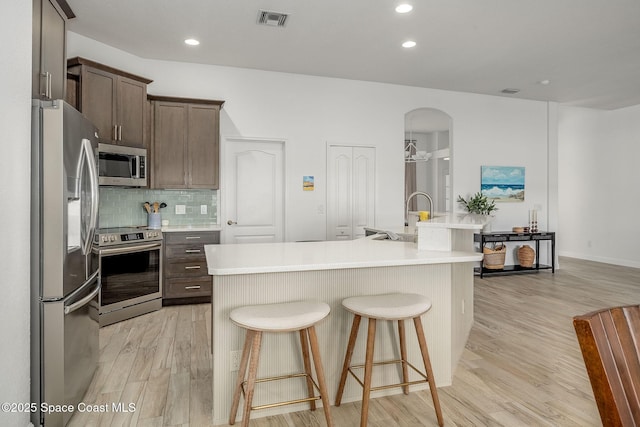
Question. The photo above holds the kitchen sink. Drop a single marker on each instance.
(395, 237)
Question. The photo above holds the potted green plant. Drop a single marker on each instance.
(478, 204)
(493, 258)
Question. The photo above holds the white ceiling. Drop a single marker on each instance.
(588, 49)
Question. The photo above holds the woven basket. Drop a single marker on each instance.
(526, 255)
(494, 257)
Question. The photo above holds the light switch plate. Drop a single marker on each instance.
(203, 209)
(181, 209)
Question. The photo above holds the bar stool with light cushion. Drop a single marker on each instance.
(298, 316)
(393, 307)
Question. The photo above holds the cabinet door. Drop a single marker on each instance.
(36, 34)
(169, 145)
(98, 101)
(49, 66)
(203, 146)
(131, 98)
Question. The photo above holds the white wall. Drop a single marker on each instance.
(15, 122)
(310, 111)
(599, 174)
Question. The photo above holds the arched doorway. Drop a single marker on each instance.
(428, 159)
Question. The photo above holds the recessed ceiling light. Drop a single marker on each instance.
(544, 82)
(408, 44)
(404, 8)
(192, 42)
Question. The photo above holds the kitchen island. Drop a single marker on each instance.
(331, 271)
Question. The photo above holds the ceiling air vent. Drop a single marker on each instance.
(510, 91)
(272, 19)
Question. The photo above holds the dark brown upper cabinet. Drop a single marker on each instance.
(49, 48)
(185, 142)
(112, 99)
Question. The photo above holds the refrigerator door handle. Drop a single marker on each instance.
(81, 303)
(93, 181)
(80, 289)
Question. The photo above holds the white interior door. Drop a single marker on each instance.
(254, 187)
(350, 191)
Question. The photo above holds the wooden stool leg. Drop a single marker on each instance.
(242, 371)
(347, 358)
(251, 380)
(427, 366)
(315, 350)
(307, 365)
(368, 368)
(403, 355)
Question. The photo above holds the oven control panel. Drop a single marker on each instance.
(108, 237)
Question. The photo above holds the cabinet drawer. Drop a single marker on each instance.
(187, 268)
(519, 237)
(191, 252)
(543, 237)
(496, 238)
(195, 238)
(184, 288)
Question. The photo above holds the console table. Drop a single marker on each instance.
(508, 236)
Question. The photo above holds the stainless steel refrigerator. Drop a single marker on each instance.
(64, 288)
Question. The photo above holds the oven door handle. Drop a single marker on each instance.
(129, 249)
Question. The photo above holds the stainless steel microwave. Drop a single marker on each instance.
(122, 166)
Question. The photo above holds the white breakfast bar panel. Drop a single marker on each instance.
(331, 271)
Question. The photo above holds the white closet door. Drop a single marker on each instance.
(350, 191)
(363, 185)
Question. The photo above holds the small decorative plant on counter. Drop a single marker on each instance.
(478, 204)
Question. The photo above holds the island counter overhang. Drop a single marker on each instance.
(262, 273)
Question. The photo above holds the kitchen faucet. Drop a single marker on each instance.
(411, 196)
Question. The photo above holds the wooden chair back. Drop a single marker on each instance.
(610, 344)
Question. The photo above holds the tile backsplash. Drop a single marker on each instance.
(123, 207)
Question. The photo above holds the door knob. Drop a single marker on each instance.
(231, 222)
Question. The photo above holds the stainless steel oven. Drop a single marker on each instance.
(130, 262)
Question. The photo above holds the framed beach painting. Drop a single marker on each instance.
(503, 183)
(308, 183)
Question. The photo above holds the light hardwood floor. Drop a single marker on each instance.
(522, 365)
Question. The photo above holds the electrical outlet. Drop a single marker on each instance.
(234, 360)
(203, 209)
(181, 209)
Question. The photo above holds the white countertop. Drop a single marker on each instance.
(464, 221)
(332, 255)
(200, 227)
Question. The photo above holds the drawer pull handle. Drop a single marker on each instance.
(192, 267)
(192, 237)
(192, 251)
(192, 287)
